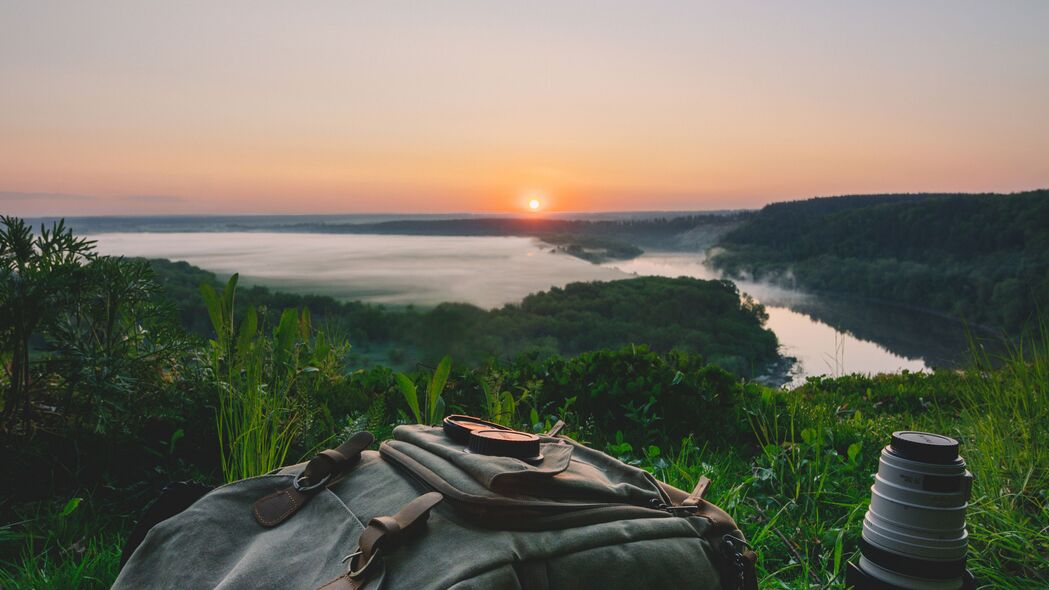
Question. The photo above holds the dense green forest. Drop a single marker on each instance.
(707, 318)
(107, 398)
(981, 258)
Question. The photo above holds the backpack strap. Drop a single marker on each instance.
(383, 535)
(322, 471)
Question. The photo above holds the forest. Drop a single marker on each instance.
(706, 318)
(983, 259)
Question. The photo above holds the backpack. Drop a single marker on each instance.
(423, 512)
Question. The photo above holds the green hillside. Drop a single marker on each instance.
(980, 258)
(702, 317)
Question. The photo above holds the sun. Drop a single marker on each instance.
(534, 204)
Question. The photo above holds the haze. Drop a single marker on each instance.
(487, 271)
(264, 107)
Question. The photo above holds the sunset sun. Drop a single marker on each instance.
(534, 204)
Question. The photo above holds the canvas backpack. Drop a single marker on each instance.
(423, 513)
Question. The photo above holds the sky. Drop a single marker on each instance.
(350, 106)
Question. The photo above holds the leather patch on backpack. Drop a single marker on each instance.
(275, 508)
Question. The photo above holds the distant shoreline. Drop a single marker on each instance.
(597, 240)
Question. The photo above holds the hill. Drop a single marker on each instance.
(981, 258)
(707, 318)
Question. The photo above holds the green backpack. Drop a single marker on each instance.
(426, 513)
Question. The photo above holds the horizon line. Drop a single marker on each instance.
(19, 195)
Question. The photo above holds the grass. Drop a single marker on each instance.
(60, 546)
(1005, 423)
(255, 420)
(263, 382)
(801, 495)
(798, 484)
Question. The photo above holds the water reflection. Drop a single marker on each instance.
(833, 336)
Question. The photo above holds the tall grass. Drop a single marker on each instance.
(262, 381)
(800, 492)
(1004, 425)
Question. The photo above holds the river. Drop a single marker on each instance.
(825, 336)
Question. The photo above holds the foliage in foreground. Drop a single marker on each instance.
(264, 384)
(60, 546)
(796, 477)
(38, 274)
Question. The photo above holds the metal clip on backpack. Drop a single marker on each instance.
(469, 506)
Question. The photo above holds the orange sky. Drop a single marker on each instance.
(255, 107)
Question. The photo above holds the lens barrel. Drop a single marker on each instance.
(914, 535)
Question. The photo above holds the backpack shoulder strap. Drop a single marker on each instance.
(384, 534)
(323, 470)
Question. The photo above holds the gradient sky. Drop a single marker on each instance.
(353, 106)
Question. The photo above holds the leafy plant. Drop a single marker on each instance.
(37, 273)
(113, 341)
(500, 406)
(620, 448)
(263, 382)
(652, 398)
(432, 409)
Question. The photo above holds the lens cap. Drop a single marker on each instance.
(458, 427)
(924, 447)
(506, 443)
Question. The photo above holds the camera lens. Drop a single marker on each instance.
(914, 533)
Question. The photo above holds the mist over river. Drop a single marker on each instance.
(826, 337)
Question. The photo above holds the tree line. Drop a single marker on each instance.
(980, 258)
(707, 318)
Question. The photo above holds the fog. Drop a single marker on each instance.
(426, 270)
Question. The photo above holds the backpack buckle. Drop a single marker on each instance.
(349, 559)
(297, 483)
